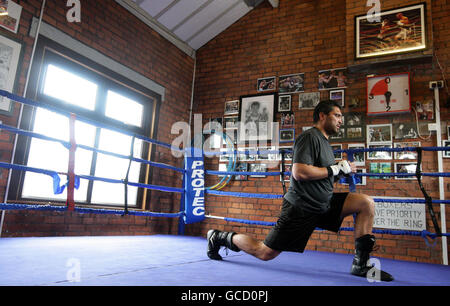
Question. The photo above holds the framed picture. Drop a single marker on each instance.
(266, 84)
(231, 108)
(256, 117)
(287, 168)
(333, 78)
(284, 103)
(247, 154)
(11, 20)
(388, 94)
(405, 130)
(379, 133)
(308, 100)
(287, 135)
(287, 120)
(354, 133)
(405, 168)
(425, 109)
(263, 153)
(291, 83)
(359, 158)
(390, 32)
(10, 54)
(230, 123)
(288, 152)
(446, 143)
(338, 96)
(379, 154)
(241, 167)
(380, 168)
(258, 168)
(406, 154)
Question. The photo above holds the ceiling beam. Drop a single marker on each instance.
(213, 21)
(172, 4)
(145, 17)
(191, 15)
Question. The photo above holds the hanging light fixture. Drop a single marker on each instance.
(3, 7)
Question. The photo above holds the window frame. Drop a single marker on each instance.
(48, 51)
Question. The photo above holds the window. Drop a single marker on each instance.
(92, 94)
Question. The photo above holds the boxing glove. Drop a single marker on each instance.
(343, 167)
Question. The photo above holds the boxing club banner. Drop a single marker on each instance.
(194, 186)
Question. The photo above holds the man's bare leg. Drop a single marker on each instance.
(254, 247)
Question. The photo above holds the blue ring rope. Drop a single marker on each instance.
(84, 119)
(349, 229)
(4, 206)
(67, 145)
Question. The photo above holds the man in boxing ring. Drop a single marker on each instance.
(310, 202)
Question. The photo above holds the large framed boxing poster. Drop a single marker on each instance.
(388, 94)
(390, 32)
(256, 118)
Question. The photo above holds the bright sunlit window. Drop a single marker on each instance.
(123, 109)
(63, 87)
(69, 87)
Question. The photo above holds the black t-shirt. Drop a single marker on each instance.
(312, 148)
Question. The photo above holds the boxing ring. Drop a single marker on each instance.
(177, 260)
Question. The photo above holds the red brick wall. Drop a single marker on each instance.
(114, 32)
(308, 36)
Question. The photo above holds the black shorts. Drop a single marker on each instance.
(295, 226)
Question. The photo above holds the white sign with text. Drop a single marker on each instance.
(400, 216)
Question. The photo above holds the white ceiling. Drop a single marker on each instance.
(190, 24)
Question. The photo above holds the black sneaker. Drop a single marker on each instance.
(213, 245)
(370, 272)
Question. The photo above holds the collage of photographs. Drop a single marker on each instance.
(249, 121)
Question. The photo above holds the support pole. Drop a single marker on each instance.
(441, 179)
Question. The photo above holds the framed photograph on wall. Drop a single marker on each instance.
(405, 130)
(390, 32)
(11, 20)
(338, 95)
(287, 135)
(359, 158)
(291, 83)
(267, 84)
(258, 168)
(230, 123)
(405, 168)
(332, 78)
(287, 120)
(10, 54)
(406, 154)
(379, 133)
(231, 108)
(379, 168)
(284, 103)
(388, 94)
(256, 117)
(446, 143)
(308, 100)
(379, 154)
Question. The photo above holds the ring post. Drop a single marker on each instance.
(194, 179)
(71, 171)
